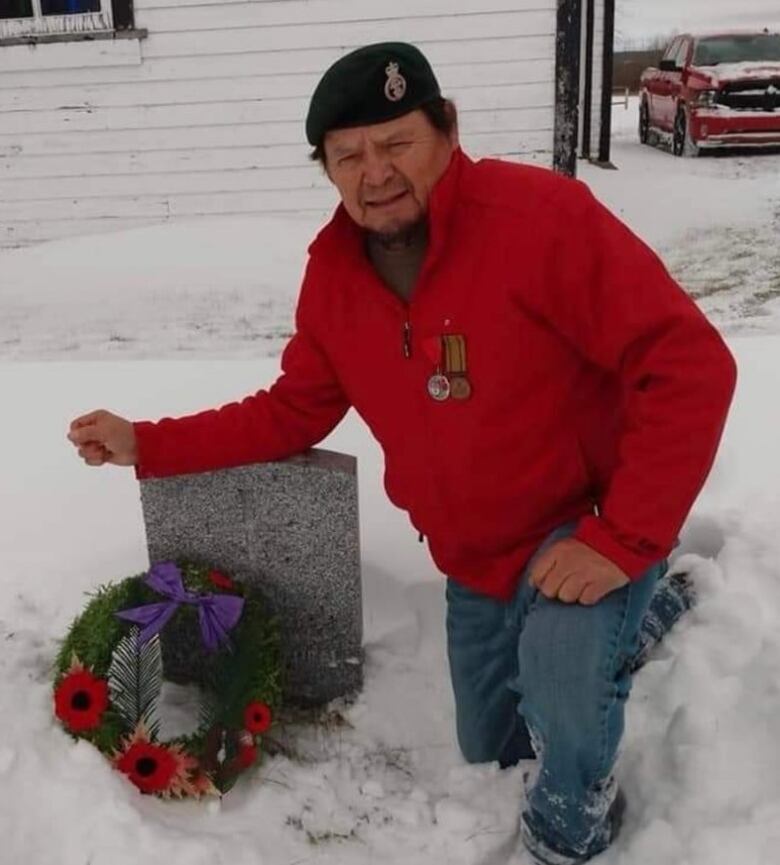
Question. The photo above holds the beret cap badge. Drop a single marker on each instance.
(395, 86)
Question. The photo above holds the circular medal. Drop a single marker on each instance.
(460, 387)
(439, 387)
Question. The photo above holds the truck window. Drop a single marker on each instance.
(681, 58)
(747, 48)
(672, 50)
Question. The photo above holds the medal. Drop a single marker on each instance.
(439, 387)
(455, 365)
(460, 388)
(448, 353)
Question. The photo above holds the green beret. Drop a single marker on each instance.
(370, 85)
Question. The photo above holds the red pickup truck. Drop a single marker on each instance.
(715, 90)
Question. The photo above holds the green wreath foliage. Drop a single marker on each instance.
(106, 685)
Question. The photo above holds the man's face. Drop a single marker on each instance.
(385, 172)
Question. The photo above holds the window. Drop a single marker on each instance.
(69, 7)
(15, 8)
(743, 48)
(682, 54)
(671, 51)
(23, 18)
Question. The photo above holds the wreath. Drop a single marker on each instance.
(111, 668)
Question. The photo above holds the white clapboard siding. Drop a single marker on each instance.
(260, 135)
(447, 58)
(297, 37)
(166, 17)
(82, 54)
(152, 163)
(234, 112)
(173, 92)
(184, 182)
(205, 116)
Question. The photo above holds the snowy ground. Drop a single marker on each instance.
(215, 288)
(109, 322)
(715, 221)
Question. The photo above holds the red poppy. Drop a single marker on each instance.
(218, 579)
(150, 767)
(257, 717)
(164, 769)
(247, 754)
(80, 700)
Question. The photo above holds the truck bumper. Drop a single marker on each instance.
(728, 128)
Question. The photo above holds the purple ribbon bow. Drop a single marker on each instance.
(217, 613)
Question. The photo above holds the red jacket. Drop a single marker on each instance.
(599, 390)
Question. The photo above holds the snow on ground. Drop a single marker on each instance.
(715, 221)
(700, 762)
(219, 287)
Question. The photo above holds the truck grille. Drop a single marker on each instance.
(763, 95)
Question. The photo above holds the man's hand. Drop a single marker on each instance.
(102, 437)
(574, 573)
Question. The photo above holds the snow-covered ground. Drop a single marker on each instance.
(715, 221)
(215, 288)
(168, 320)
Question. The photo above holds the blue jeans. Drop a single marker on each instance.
(538, 677)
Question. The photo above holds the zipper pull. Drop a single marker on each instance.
(407, 339)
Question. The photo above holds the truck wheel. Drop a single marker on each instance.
(682, 145)
(644, 123)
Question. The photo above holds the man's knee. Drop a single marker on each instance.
(566, 670)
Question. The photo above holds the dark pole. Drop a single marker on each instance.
(567, 85)
(607, 80)
(587, 111)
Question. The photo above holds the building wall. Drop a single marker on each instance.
(205, 116)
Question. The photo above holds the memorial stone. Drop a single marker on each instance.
(288, 529)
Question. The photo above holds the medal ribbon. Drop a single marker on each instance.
(432, 346)
(454, 350)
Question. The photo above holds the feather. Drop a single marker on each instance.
(135, 678)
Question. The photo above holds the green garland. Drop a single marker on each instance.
(107, 683)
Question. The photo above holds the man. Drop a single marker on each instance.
(548, 400)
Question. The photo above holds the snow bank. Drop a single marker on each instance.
(182, 290)
(700, 765)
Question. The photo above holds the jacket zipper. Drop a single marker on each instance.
(406, 338)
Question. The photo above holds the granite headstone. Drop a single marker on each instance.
(288, 529)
